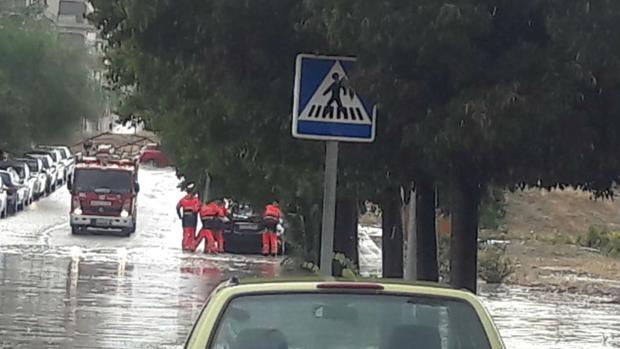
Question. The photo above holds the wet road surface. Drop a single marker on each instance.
(63, 291)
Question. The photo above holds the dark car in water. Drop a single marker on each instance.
(243, 235)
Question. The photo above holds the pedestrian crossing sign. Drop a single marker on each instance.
(325, 106)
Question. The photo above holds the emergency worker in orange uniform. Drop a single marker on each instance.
(271, 219)
(187, 210)
(222, 216)
(209, 215)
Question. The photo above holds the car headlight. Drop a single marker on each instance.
(77, 211)
(124, 214)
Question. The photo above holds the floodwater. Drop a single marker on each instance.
(528, 318)
(64, 291)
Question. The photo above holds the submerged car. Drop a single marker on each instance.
(317, 314)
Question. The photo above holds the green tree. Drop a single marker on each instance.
(45, 84)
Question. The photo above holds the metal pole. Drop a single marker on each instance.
(205, 193)
(329, 207)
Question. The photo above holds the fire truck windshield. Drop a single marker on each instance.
(103, 181)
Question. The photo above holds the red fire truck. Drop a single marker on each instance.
(104, 192)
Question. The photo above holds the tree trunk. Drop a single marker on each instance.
(345, 231)
(392, 239)
(465, 201)
(426, 232)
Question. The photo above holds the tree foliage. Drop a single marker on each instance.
(45, 84)
(470, 92)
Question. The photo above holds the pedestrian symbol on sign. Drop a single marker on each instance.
(335, 89)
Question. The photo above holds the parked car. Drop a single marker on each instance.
(4, 205)
(49, 167)
(17, 193)
(57, 162)
(23, 172)
(316, 313)
(38, 172)
(152, 155)
(67, 158)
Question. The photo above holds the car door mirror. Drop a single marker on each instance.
(70, 185)
(136, 187)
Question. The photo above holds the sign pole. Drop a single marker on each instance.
(329, 207)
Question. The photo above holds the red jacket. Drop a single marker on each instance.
(210, 210)
(272, 211)
(222, 211)
(189, 203)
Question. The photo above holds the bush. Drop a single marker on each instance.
(493, 265)
(608, 243)
(492, 211)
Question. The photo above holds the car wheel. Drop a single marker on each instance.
(76, 230)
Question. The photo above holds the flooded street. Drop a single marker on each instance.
(64, 291)
(530, 319)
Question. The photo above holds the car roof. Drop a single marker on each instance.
(234, 288)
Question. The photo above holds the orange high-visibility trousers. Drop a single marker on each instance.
(270, 243)
(189, 237)
(219, 240)
(207, 235)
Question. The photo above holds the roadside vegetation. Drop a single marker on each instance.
(472, 95)
(604, 241)
(46, 84)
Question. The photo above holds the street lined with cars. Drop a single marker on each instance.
(33, 175)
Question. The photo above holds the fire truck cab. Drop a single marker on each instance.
(104, 194)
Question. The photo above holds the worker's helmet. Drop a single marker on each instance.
(190, 188)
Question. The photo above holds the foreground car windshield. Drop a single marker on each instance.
(346, 321)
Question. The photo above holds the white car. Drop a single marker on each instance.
(4, 205)
(37, 172)
(49, 168)
(22, 172)
(17, 193)
(66, 158)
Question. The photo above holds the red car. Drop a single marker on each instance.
(153, 156)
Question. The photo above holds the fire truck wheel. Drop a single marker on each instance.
(75, 230)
